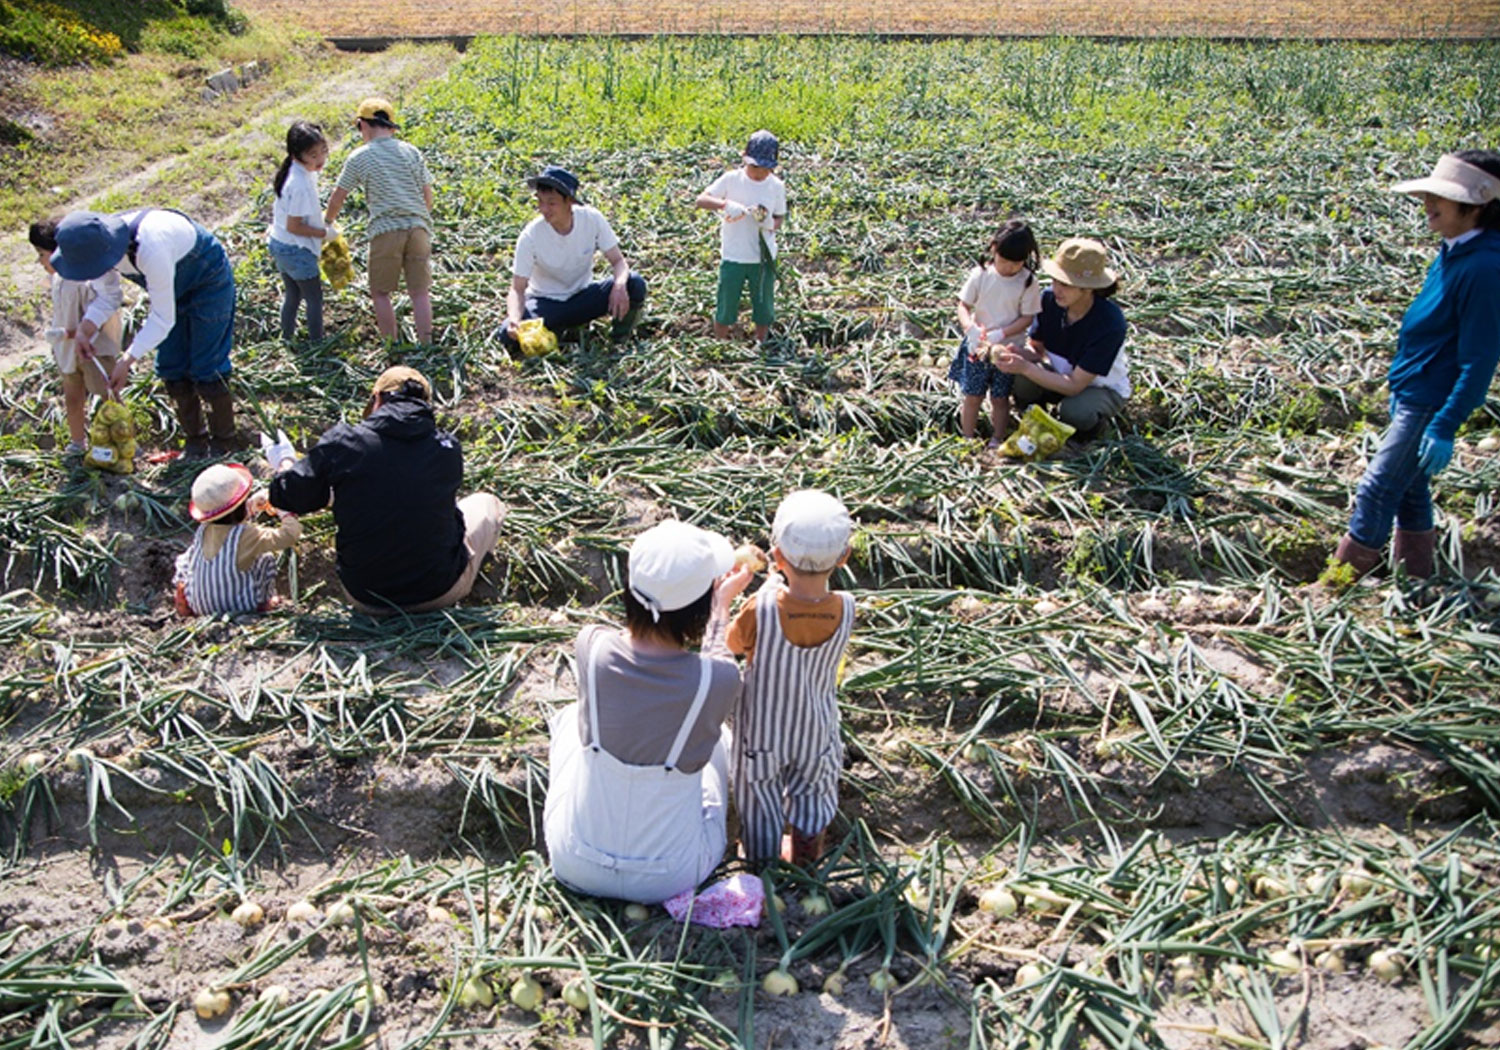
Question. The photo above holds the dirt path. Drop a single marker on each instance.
(1360, 19)
(223, 196)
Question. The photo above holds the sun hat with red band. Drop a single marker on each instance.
(218, 490)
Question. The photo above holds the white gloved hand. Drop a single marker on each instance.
(330, 231)
(55, 336)
(279, 451)
(734, 211)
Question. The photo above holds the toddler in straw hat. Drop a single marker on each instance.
(787, 752)
(231, 565)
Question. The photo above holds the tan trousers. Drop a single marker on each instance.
(483, 514)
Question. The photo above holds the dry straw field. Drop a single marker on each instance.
(1291, 19)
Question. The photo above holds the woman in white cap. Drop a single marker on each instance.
(1076, 355)
(638, 765)
(1445, 357)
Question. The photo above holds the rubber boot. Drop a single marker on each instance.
(184, 395)
(807, 850)
(1356, 555)
(220, 415)
(1414, 552)
(621, 330)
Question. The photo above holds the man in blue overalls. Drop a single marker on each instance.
(191, 325)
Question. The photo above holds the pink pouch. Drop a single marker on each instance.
(739, 900)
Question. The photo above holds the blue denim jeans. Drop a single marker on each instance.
(1394, 489)
(584, 305)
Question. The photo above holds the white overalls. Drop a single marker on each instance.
(787, 751)
(639, 833)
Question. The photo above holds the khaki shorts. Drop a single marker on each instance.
(106, 349)
(405, 252)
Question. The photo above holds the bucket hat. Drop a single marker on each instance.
(554, 178)
(673, 564)
(762, 150)
(1081, 262)
(1455, 179)
(89, 244)
(378, 111)
(812, 530)
(218, 490)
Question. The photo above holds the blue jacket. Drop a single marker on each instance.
(1450, 336)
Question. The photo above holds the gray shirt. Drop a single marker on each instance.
(643, 697)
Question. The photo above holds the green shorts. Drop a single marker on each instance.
(733, 276)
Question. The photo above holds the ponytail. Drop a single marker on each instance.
(300, 137)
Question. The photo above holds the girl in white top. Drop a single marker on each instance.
(297, 228)
(995, 308)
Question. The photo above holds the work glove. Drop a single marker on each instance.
(734, 211)
(1434, 453)
(55, 336)
(279, 451)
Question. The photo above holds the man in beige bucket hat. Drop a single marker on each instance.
(1076, 356)
(404, 540)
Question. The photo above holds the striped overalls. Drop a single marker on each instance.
(787, 751)
(218, 586)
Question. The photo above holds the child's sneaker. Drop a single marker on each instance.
(75, 450)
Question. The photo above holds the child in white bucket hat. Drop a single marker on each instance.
(787, 752)
(1446, 355)
(231, 565)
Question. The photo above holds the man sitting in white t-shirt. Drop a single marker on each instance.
(554, 267)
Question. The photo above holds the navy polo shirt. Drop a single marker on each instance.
(1091, 343)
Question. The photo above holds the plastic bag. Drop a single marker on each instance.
(1039, 436)
(535, 337)
(739, 900)
(112, 439)
(338, 264)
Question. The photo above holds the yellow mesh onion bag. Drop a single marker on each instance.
(535, 337)
(1038, 436)
(338, 264)
(112, 439)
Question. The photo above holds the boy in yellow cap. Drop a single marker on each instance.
(398, 195)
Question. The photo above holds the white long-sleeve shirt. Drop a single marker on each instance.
(164, 239)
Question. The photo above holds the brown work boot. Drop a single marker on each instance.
(807, 850)
(1414, 552)
(1357, 556)
(184, 395)
(220, 415)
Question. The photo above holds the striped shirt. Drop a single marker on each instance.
(213, 571)
(393, 174)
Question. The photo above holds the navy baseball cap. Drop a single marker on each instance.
(762, 149)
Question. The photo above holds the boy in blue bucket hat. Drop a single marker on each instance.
(751, 200)
(187, 276)
(553, 276)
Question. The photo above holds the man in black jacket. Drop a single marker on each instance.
(403, 542)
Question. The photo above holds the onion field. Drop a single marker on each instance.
(1120, 772)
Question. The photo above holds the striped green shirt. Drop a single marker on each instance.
(392, 173)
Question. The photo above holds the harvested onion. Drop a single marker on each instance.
(998, 901)
(210, 1003)
(1387, 966)
(527, 994)
(248, 914)
(576, 994)
(779, 982)
(304, 912)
